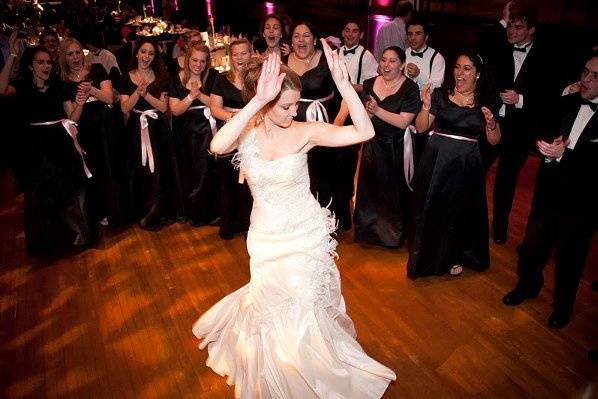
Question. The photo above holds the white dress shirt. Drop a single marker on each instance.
(369, 66)
(104, 57)
(434, 75)
(584, 115)
(518, 60)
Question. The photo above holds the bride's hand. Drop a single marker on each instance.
(270, 80)
(338, 69)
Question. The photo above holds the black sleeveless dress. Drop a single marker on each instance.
(152, 195)
(100, 137)
(192, 134)
(235, 199)
(327, 166)
(450, 217)
(382, 194)
(53, 178)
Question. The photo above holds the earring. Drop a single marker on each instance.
(477, 77)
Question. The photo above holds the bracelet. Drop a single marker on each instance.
(491, 128)
(13, 55)
(425, 108)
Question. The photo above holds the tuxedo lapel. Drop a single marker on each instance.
(590, 132)
(529, 60)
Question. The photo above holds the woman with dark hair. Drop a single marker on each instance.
(144, 102)
(193, 128)
(54, 171)
(318, 102)
(392, 102)
(226, 100)
(450, 219)
(286, 333)
(273, 32)
(98, 134)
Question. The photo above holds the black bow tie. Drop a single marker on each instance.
(420, 55)
(352, 51)
(520, 49)
(593, 106)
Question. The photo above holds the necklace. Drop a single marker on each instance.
(469, 99)
(306, 60)
(392, 85)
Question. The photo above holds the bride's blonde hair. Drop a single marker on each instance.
(251, 74)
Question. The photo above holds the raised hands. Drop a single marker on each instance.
(489, 117)
(285, 49)
(270, 80)
(338, 69)
(14, 44)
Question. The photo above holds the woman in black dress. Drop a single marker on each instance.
(98, 134)
(144, 102)
(382, 195)
(273, 32)
(225, 101)
(54, 170)
(193, 128)
(450, 219)
(320, 103)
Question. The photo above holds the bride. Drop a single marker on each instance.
(286, 334)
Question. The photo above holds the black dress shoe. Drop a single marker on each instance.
(517, 296)
(593, 355)
(559, 319)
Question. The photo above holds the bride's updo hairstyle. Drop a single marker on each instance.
(251, 74)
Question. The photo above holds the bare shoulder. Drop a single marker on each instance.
(305, 132)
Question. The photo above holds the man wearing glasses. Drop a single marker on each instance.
(564, 213)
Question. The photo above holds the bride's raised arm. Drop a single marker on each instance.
(336, 136)
(268, 86)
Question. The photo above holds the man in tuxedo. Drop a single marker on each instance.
(519, 63)
(423, 64)
(564, 212)
(360, 63)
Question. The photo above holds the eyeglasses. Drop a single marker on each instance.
(590, 75)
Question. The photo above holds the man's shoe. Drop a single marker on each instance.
(517, 296)
(559, 319)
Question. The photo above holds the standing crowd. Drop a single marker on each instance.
(98, 142)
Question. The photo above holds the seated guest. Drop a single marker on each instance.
(423, 63)
(564, 215)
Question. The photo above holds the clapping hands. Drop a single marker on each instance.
(194, 91)
(142, 88)
(553, 150)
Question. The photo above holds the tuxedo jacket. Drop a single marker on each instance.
(533, 81)
(571, 184)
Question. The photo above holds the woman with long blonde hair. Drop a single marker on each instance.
(193, 128)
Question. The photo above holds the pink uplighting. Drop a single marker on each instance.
(382, 3)
(270, 7)
(209, 7)
(375, 22)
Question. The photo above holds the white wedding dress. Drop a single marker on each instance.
(286, 333)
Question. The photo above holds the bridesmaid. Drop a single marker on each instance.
(144, 102)
(450, 219)
(98, 134)
(319, 102)
(392, 102)
(225, 101)
(54, 171)
(193, 128)
(273, 32)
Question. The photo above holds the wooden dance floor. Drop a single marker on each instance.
(115, 321)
